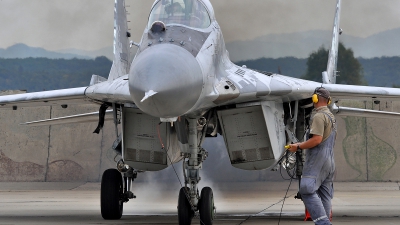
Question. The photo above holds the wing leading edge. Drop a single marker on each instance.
(60, 97)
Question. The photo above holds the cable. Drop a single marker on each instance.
(280, 171)
(280, 214)
(284, 198)
(166, 152)
(159, 136)
(115, 157)
(291, 176)
(265, 209)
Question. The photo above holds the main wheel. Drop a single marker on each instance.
(112, 189)
(206, 206)
(185, 212)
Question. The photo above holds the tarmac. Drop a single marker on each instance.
(237, 203)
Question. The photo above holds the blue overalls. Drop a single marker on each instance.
(316, 185)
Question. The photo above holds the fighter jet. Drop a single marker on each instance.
(181, 88)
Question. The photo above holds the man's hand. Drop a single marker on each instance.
(310, 143)
(293, 147)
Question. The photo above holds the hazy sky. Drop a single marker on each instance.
(88, 24)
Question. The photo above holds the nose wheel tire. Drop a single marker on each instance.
(206, 206)
(185, 212)
(111, 193)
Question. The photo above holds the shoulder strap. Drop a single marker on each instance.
(331, 119)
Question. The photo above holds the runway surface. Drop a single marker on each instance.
(237, 203)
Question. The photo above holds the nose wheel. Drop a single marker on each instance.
(206, 206)
(185, 210)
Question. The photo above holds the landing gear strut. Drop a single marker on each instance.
(189, 200)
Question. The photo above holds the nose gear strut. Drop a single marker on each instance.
(189, 199)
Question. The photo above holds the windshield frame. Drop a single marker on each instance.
(207, 20)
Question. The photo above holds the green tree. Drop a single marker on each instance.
(350, 69)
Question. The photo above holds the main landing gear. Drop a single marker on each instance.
(189, 200)
(115, 190)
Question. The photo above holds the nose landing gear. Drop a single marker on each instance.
(189, 200)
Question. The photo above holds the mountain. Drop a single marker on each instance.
(298, 45)
(107, 52)
(301, 44)
(385, 44)
(24, 51)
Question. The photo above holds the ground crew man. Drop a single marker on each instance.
(316, 185)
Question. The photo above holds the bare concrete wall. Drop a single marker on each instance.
(366, 149)
(52, 153)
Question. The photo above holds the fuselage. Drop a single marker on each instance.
(182, 66)
(172, 69)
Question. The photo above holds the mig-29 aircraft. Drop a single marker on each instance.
(181, 88)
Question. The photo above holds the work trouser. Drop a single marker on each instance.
(317, 199)
(316, 185)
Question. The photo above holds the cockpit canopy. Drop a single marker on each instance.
(190, 13)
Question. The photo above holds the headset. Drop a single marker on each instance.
(315, 96)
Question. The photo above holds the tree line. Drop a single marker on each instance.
(38, 74)
(382, 71)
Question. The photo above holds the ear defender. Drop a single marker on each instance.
(315, 98)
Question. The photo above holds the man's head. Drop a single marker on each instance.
(321, 97)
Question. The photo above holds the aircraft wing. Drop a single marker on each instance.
(45, 98)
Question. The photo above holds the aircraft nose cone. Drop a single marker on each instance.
(165, 81)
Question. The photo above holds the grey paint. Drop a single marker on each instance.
(279, 88)
(121, 63)
(189, 39)
(173, 73)
(45, 98)
(148, 145)
(247, 138)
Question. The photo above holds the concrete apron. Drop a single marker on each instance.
(66, 203)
